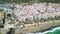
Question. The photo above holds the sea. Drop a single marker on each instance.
(52, 31)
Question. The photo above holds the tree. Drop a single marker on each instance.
(42, 20)
(56, 18)
(27, 1)
(11, 31)
(1, 25)
(28, 20)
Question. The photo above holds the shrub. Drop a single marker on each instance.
(56, 18)
(28, 20)
(9, 15)
(1, 25)
(11, 31)
(27, 1)
(42, 20)
(12, 22)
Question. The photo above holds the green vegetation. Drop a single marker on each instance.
(53, 1)
(28, 20)
(11, 31)
(42, 20)
(25, 1)
(50, 18)
(9, 15)
(1, 10)
(37, 20)
(13, 1)
(12, 22)
(57, 17)
(1, 25)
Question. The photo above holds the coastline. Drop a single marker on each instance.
(36, 27)
(40, 27)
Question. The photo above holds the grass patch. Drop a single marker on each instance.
(12, 22)
(1, 25)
